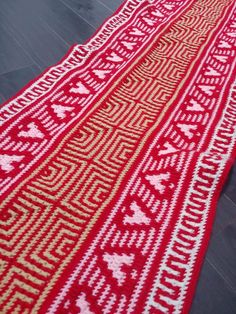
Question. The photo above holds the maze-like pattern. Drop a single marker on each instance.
(129, 245)
(48, 216)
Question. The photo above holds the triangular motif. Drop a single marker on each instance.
(207, 89)
(115, 263)
(212, 72)
(80, 89)
(187, 129)
(129, 45)
(157, 13)
(222, 59)
(6, 162)
(231, 34)
(83, 305)
(168, 149)
(137, 32)
(33, 131)
(60, 110)
(148, 21)
(194, 106)
(114, 57)
(224, 44)
(168, 6)
(138, 216)
(101, 73)
(158, 181)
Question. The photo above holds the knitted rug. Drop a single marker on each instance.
(112, 161)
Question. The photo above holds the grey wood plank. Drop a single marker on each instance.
(2, 99)
(12, 82)
(226, 212)
(213, 296)
(230, 187)
(113, 5)
(62, 19)
(222, 253)
(41, 43)
(12, 56)
(92, 11)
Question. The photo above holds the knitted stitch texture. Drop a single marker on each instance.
(112, 161)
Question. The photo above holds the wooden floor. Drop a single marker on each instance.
(37, 33)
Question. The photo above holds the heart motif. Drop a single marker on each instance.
(222, 59)
(157, 13)
(60, 110)
(101, 73)
(137, 32)
(128, 45)
(33, 131)
(80, 89)
(224, 44)
(7, 162)
(207, 89)
(114, 57)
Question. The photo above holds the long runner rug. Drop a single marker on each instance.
(112, 161)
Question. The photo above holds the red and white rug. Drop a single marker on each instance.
(112, 161)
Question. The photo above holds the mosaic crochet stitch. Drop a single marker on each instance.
(112, 161)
